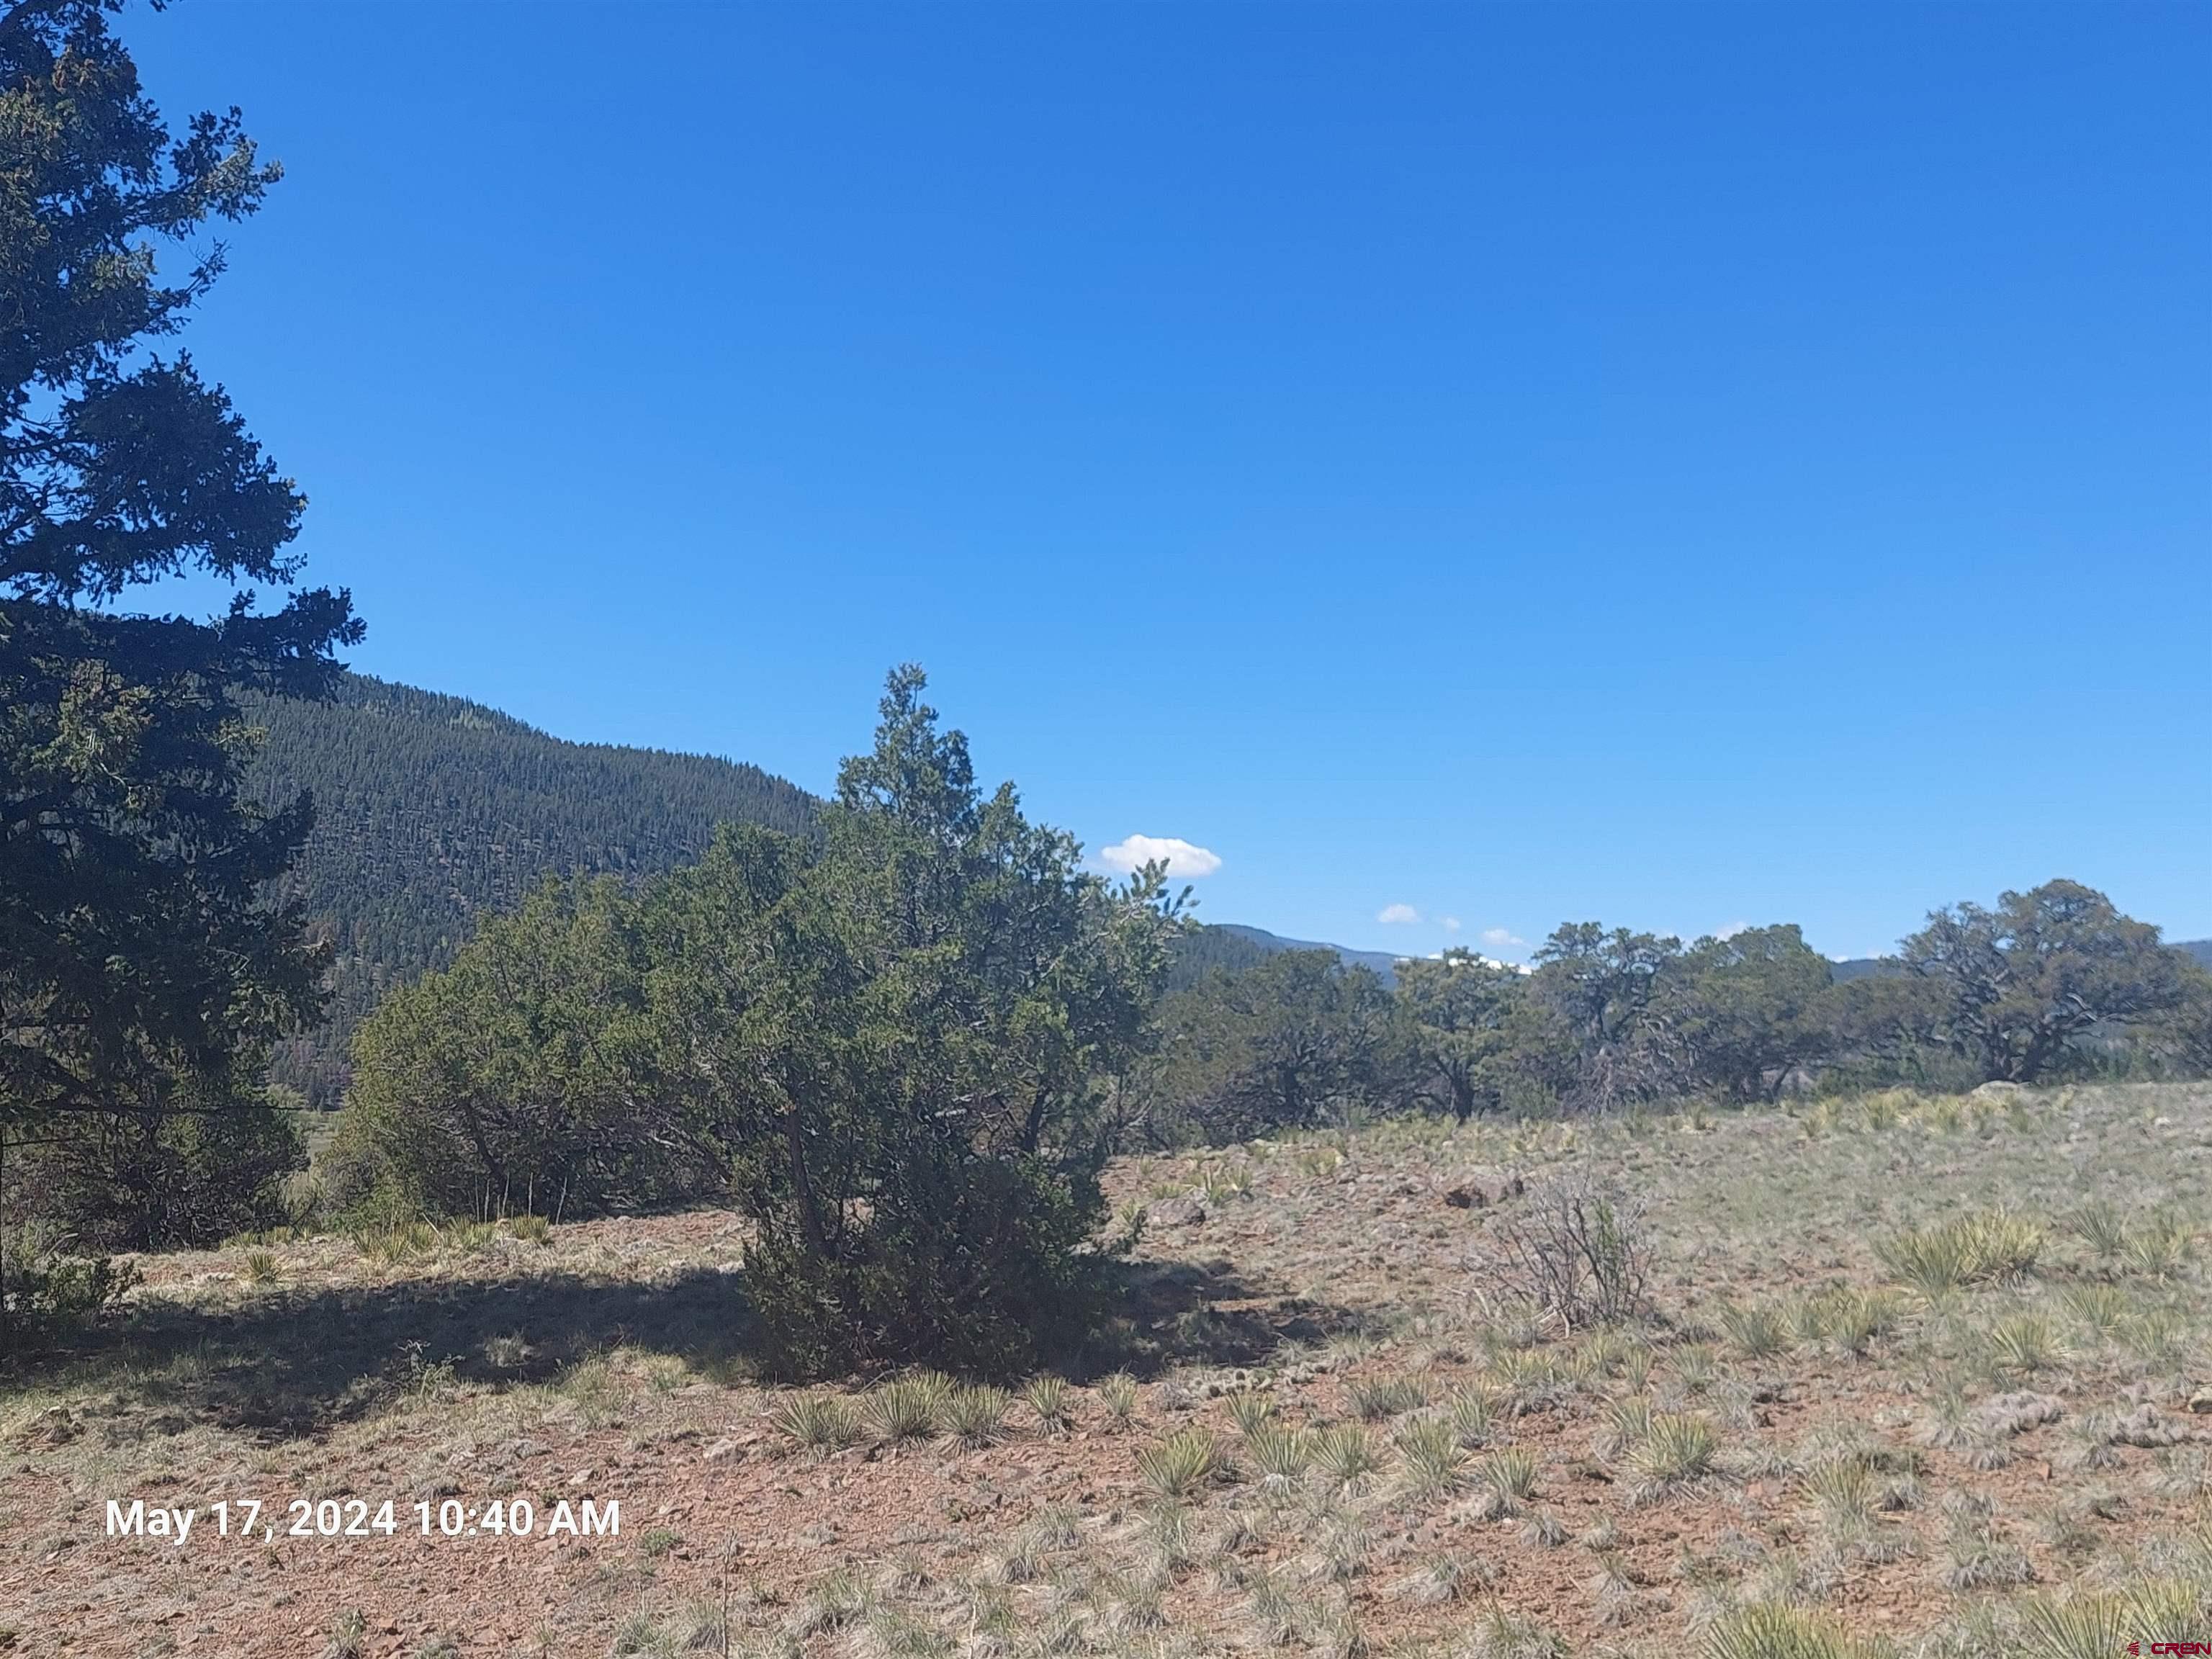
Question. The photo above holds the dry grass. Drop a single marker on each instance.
(1921, 1376)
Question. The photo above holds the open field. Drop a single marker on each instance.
(1329, 1434)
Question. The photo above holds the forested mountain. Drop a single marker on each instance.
(430, 809)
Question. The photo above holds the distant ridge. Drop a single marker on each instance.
(430, 809)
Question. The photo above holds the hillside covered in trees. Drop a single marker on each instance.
(431, 809)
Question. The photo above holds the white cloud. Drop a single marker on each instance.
(1398, 915)
(1730, 929)
(1502, 938)
(1450, 923)
(1184, 861)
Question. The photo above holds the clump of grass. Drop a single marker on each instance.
(1345, 1454)
(1527, 1378)
(1118, 1394)
(1850, 1316)
(1757, 1331)
(2100, 1225)
(1250, 1410)
(1183, 1464)
(1987, 1244)
(1508, 1480)
(1770, 1630)
(261, 1267)
(530, 1229)
(1677, 1448)
(1050, 1401)
(1504, 1635)
(1436, 1462)
(908, 1407)
(816, 1422)
(1627, 1422)
(2024, 1342)
(975, 1415)
(2101, 1309)
(1281, 1455)
(2158, 1246)
(1387, 1397)
(349, 1637)
(1469, 1413)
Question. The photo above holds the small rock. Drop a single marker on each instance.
(1994, 1090)
(2201, 1401)
(1176, 1212)
(718, 1451)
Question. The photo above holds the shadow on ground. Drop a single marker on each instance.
(305, 1361)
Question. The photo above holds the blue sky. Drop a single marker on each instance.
(1675, 465)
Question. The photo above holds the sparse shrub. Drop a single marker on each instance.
(816, 1422)
(1183, 1464)
(1578, 1251)
(348, 1638)
(1503, 1635)
(975, 1414)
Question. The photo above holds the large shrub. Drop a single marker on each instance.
(899, 1034)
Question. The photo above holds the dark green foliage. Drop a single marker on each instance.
(1751, 1010)
(1297, 1039)
(522, 1080)
(143, 969)
(1465, 1017)
(890, 1040)
(2022, 987)
(432, 812)
(131, 942)
(188, 1172)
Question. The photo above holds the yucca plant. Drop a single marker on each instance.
(1843, 1489)
(1387, 1397)
(2159, 1245)
(2102, 1226)
(1250, 1410)
(1181, 1465)
(1118, 1394)
(2076, 1628)
(1757, 1330)
(1050, 1401)
(975, 1415)
(2025, 1342)
(2100, 1308)
(1510, 1478)
(1281, 1455)
(1768, 1630)
(1470, 1412)
(1627, 1424)
(1678, 1448)
(907, 1407)
(1344, 1454)
(1436, 1462)
(816, 1422)
(261, 1267)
